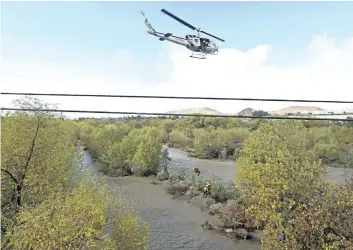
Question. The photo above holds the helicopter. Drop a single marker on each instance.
(200, 46)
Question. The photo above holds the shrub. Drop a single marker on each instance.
(233, 215)
(325, 223)
(178, 176)
(163, 176)
(177, 188)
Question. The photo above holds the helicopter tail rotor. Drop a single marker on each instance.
(147, 23)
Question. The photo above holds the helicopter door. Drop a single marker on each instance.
(196, 42)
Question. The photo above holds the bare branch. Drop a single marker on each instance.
(10, 174)
(31, 150)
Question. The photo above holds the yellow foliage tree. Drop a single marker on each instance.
(324, 223)
(36, 159)
(46, 202)
(277, 173)
(81, 220)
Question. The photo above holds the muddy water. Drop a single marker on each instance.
(175, 224)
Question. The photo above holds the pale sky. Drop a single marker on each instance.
(321, 68)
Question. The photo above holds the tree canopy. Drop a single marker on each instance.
(47, 202)
(288, 194)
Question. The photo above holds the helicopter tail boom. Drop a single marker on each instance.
(169, 37)
(165, 36)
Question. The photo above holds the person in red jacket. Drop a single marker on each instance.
(197, 171)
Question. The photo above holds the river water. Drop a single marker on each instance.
(175, 224)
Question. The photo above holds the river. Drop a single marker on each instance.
(227, 169)
(175, 224)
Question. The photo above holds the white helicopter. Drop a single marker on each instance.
(199, 46)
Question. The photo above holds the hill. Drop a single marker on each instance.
(247, 112)
(296, 109)
(203, 111)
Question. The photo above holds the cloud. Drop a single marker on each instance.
(325, 71)
(148, 70)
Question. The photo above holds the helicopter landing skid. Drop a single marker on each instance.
(198, 55)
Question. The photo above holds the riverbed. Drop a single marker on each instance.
(176, 224)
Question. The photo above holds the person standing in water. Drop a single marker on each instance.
(197, 171)
(207, 189)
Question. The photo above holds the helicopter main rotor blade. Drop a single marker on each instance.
(212, 36)
(178, 19)
(189, 25)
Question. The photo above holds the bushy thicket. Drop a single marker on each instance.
(287, 193)
(122, 149)
(46, 202)
(208, 138)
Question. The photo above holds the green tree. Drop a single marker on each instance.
(178, 139)
(118, 158)
(260, 113)
(147, 157)
(36, 159)
(232, 123)
(80, 220)
(46, 202)
(155, 133)
(277, 172)
(332, 144)
(206, 144)
(256, 123)
(167, 125)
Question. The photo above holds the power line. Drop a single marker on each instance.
(179, 115)
(178, 97)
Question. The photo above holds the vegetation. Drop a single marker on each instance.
(287, 193)
(46, 202)
(260, 113)
(123, 148)
(281, 187)
(201, 137)
(281, 176)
